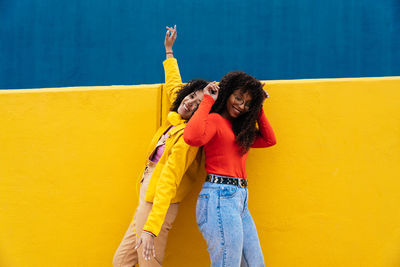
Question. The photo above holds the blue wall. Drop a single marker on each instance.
(104, 42)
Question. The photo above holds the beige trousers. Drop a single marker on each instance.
(126, 255)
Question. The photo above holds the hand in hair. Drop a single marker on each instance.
(170, 38)
(212, 90)
(265, 93)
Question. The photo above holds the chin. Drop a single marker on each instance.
(185, 117)
(235, 115)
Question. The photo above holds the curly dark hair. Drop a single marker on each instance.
(244, 126)
(190, 87)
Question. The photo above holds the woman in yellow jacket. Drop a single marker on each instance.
(171, 168)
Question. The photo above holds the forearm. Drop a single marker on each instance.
(181, 157)
(173, 80)
(169, 41)
(199, 130)
(267, 136)
(162, 200)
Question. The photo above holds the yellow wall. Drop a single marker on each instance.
(326, 195)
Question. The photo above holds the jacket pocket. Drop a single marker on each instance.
(201, 209)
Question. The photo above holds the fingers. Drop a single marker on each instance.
(213, 88)
(174, 33)
(139, 242)
(149, 251)
(171, 28)
(265, 94)
(145, 253)
(170, 37)
(148, 246)
(206, 89)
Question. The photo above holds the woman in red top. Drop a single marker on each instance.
(226, 125)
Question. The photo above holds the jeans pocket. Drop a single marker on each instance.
(228, 192)
(201, 209)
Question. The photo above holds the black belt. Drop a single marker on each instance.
(240, 182)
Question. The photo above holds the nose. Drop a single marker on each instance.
(242, 106)
(190, 103)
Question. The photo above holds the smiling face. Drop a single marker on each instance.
(237, 104)
(190, 104)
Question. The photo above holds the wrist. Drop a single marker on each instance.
(169, 54)
(209, 97)
(169, 50)
(149, 233)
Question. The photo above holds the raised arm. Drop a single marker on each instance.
(201, 127)
(181, 157)
(267, 136)
(173, 80)
(169, 41)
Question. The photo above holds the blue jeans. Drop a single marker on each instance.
(226, 224)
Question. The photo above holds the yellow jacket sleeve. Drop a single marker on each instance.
(173, 80)
(181, 157)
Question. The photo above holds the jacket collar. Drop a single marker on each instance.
(176, 120)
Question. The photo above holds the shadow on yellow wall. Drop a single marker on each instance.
(326, 195)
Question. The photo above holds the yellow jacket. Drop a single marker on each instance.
(180, 163)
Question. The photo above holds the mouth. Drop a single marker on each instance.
(237, 110)
(186, 108)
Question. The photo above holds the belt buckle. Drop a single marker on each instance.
(241, 183)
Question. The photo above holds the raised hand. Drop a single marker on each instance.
(265, 94)
(170, 38)
(212, 89)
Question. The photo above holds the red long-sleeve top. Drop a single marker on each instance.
(215, 133)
